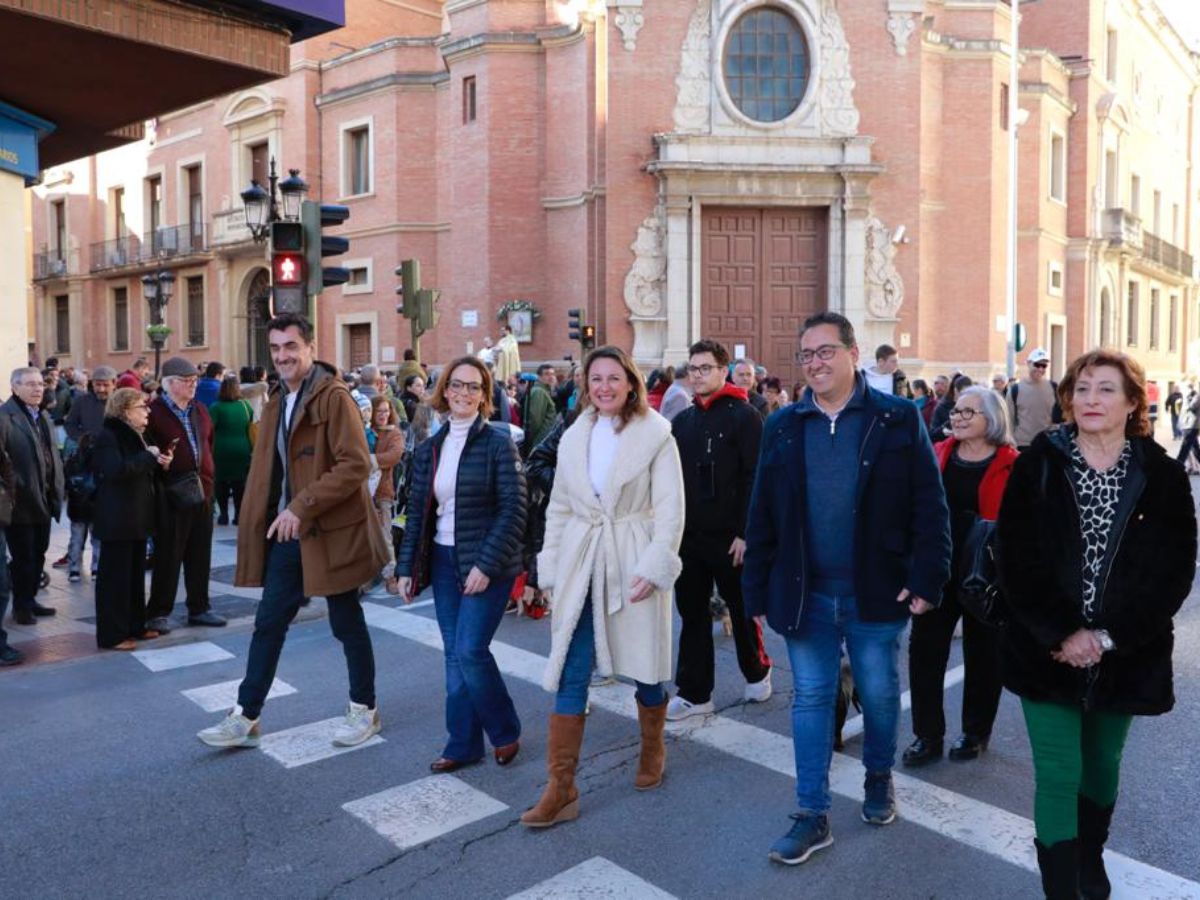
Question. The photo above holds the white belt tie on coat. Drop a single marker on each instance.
(607, 558)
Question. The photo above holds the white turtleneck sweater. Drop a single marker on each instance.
(602, 449)
(446, 479)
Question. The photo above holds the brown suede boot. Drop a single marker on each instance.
(654, 749)
(560, 800)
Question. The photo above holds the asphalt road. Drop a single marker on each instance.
(107, 792)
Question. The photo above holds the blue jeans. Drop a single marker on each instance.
(283, 591)
(477, 699)
(79, 535)
(571, 699)
(815, 655)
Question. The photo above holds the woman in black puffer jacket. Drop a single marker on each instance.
(466, 522)
(1097, 539)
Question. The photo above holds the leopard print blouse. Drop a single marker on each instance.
(1097, 493)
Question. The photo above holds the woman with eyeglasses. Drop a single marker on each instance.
(610, 560)
(976, 461)
(466, 521)
(124, 518)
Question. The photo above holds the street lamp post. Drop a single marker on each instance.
(1016, 118)
(262, 205)
(157, 288)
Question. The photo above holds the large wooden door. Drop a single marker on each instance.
(763, 272)
(358, 337)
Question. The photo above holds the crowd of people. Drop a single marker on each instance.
(841, 512)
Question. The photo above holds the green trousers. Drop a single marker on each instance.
(1074, 752)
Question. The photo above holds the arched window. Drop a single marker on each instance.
(766, 64)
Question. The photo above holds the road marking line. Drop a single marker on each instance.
(594, 878)
(178, 657)
(309, 743)
(972, 822)
(223, 695)
(854, 727)
(423, 810)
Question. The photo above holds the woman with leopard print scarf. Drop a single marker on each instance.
(1097, 551)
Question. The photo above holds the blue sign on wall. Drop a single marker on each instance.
(19, 136)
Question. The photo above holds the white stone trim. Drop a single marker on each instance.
(628, 20)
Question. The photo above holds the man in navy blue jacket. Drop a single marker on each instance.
(848, 533)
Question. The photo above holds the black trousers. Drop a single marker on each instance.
(120, 592)
(27, 544)
(705, 561)
(222, 491)
(1191, 445)
(181, 539)
(928, 653)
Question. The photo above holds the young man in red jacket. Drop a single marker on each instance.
(718, 438)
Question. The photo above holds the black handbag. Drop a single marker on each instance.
(978, 583)
(185, 492)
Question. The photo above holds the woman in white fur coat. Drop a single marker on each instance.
(610, 560)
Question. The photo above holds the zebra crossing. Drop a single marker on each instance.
(429, 809)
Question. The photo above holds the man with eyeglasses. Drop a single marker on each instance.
(307, 529)
(27, 435)
(1033, 401)
(718, 439)
(847, 535)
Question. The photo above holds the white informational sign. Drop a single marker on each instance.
(470, 318)
(389, 354)
(739, 351)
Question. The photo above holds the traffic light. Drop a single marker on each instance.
(409, 272)
(315, 217)
(575, 324)
(288, 265)
(588, 340)
(427, 311)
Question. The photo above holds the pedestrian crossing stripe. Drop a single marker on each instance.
(598, 878)
(309, 743)
(179, 657)
(421, 811)
(974, 823)
(223, 695)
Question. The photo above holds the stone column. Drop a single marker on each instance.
(679, 280)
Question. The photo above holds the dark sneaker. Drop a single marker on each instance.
(10, 656)
(208, 619)
(879, 801)
(74, 577)
(161, 624)
(807, 835)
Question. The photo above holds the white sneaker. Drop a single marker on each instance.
(361, 722)
(759, 691)
(235, 730)
(679, 708)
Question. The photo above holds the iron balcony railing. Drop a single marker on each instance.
(162, 243)
(50, 264)
(1167, 255)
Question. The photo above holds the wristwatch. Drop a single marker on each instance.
(1106, 641)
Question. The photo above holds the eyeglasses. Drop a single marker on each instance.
(474, 388)
(705, 370)
(824, 353)
(966, 413)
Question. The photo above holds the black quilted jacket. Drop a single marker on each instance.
(489, 519)
(1151, 562)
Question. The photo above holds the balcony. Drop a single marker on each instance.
(1123, 227)
(151, 248)
(1167, 255)
(51, 264)
(229, 228)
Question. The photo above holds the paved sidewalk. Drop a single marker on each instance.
(72, 633)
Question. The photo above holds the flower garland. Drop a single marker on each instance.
(518, 306)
